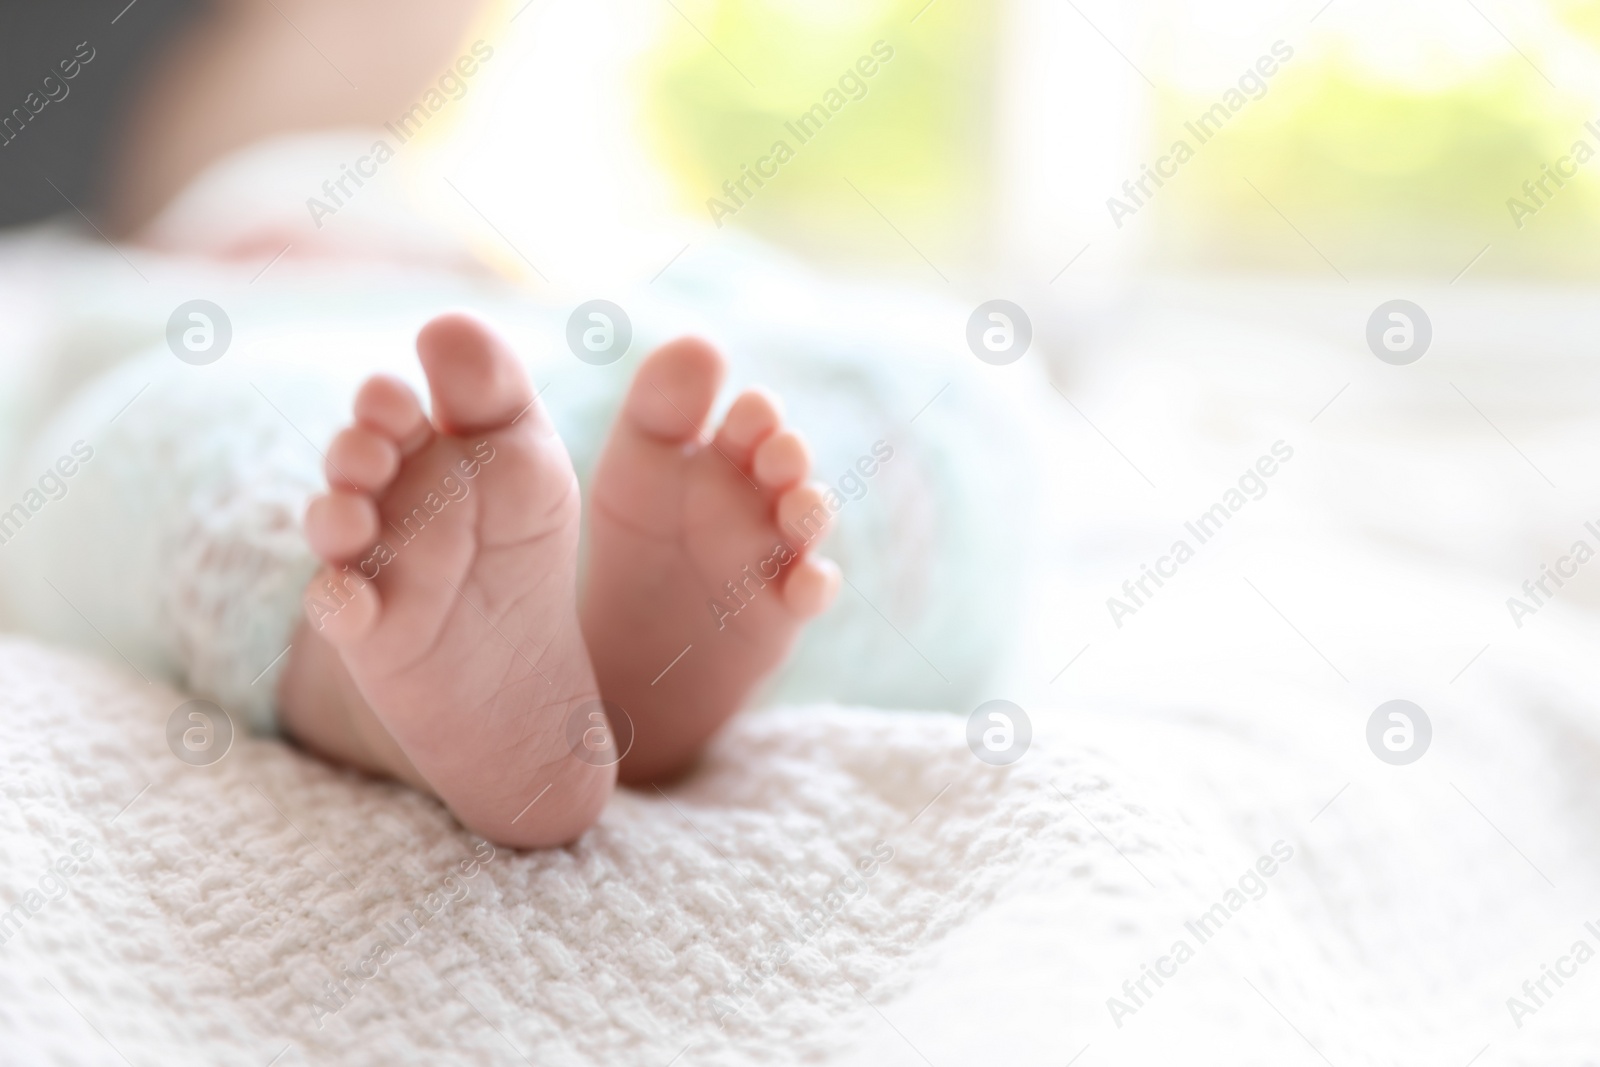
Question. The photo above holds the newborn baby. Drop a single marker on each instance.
(446, 643)
(447, 640)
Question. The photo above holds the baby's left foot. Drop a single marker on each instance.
(442, 643)
(700, 574)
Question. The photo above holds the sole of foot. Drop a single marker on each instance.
(442, 643)
(701, 571)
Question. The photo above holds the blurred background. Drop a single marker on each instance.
(1378, 159)
(987, 148)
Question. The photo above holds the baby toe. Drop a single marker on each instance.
(362, 459)
(340, 609)
(673, 391)
(802, 513)
(387, 405)
(781, 460)
(812, 586)
(751, 419)
(478, 384)
(340, 525)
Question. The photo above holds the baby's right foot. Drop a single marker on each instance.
(701, 574)
(459, 662)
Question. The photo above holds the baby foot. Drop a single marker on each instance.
(446, 614)
(700, 575)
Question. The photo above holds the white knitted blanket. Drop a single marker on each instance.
(225, 914)
(837, 885)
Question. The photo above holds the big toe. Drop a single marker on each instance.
(477, 383)
(672, 393)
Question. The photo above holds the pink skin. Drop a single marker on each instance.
(409, 677)
(458, 666)
(673, 517)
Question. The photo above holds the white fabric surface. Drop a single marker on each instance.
(218, 902)
(1421, 898)
(215, 907)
